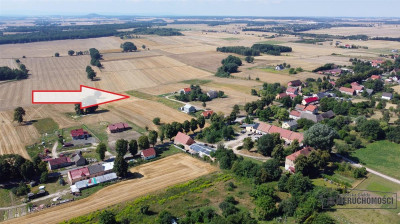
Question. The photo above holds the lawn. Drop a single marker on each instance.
(382, 156)
(163, 100)
(231, 38)
(5, 199)
(46, 125)
(272, 70)
(196, 81)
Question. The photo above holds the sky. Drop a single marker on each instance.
(319, 8)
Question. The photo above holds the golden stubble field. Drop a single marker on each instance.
(157, 175)
(381, 31)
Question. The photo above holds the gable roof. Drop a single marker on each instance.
(77, 157)
(295, 113)
(313, 117)
(294, 83)
(264, 127)
(311, 99)
(306, 151)
(149, 152)
(345, 89)
(207, 113)
(291, 89)
(184, 139)
(58, 161)
(328, 114)
(296, 135)
(186, 90)
(281, 95)
(387, 94)
(78, 173)
(375, 77)
(310, 108)
(282, 132)
(94, 169)
(358, 87)
(78, 132)
(290, 122)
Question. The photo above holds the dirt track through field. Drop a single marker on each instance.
(156, 176)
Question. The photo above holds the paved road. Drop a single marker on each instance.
(394, 180)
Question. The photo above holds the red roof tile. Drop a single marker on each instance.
(295, 113)
(207, 113)
(374, 77)
(345, 89)
(311, 99)
(296, 135)
(78, 173)
(186, 90)
(149, 152)
(264, 127)
(310, 108)
(305, 151)
(78, 132)
(183, 139)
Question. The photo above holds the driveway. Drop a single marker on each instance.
(234, 144)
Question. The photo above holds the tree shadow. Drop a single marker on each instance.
(134, 175)
(26, 123)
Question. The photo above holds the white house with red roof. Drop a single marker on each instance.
(294, 114)
(312, 109)
(79, 134)
(78, 174)
(287, 135)
(185, 90)
(309, 100)
(290, 159)
(148, 153)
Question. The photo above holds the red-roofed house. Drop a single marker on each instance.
(78, 175)
(263, 128)
(207, 113)
(59, 163)
(295, 135)
(333, 83)
(185, 90)
(148, 153)
(347, 91)
(79, 134)
(118, 127)
(183, 139)
(292, 90)
(375, 77)
(295, 83)
(287, 135)
(290, 159)
(312, 109)
(294, 114)
(309, 100)
(280, 96)
(358, 89)
(377, 63)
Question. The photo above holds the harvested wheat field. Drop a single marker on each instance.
(381, 31)
(156, 176)
(14, 137)
(209, 61)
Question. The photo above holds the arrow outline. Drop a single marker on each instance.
(78, 91)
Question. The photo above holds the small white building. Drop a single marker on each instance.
(387, 96)
(188, 108)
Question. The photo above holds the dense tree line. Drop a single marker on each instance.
(271, 49)
(156, 31)
(229, 65)
(218, 129)
(15, 167)
(245, 51)
(324, 67)
(196, 94)
(47, 33)
(7, 73)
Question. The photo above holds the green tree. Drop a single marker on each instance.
(107, 217)
(161, 135)
(133, 147)
(297, 184)
(249, 59)
(91, 74)
(101, 150)
(169, 131)
(78, 110)
(143, 142)
(44, 177)
(201, 122)
(121, 146)
(165, 217)
(186, 126)
(320, 136)
(143, 46)
(193, 125)
(266, 144)
(153, 135)
(120, 166)
(71, 52)
(128, 47)
(278, 153)
(156, 121)
(27, 170)
(282, 114)
(57, 54)
(19, 114)
(248, 143)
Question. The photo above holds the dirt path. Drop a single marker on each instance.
(157, 175)
(234, 144)
(54, 150)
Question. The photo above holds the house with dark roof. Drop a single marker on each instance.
(295, 83)
(281, 95)
(387, 96)
(292, 90)
(183, 139)
(317, 117)
(79, 134)
(290, 125)
(212, 94)
(61, 162)
(290, 159)
(118, 127)
(78, 159)
(148, 153)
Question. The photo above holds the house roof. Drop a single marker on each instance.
(311, 99)
(291, 89)
(202, 148)
(295, 113)
(282, 132)
(78, 132)
(291, 123)
(358, 87)
(149, 152)
(310, 108)
(328, 114)
(333, 83)
(313, 117)
(186, 90)
(294, 83)
(375, 77)
(184, 139)
(387, 94)
(58, 161)
(281, 95)
(94, 169)
(187, 106)
(78, 173)
(299, 107)
(207, 113)
(297, 135)
(345, 89)
(305, 151)
(264, 127)
(77, 157)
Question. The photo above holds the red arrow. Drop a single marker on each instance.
(86, 96)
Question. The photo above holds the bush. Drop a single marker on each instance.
(359, 172)
(156, 121)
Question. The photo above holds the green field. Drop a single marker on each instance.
(231, 38)
(46, 125)
(163, 100)
(382, 156)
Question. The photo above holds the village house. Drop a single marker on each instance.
(185, 90)
(207, 113)
(312, 109)
(321, 95)
(212, 94)
(288, 136)
(334, 72)
(292, 90)
(280, 96)
(387, 96)
(78, 186)
(79, 134)
(290, 125)
(317, 117)
(279, 67)
(294, 83)
(375, 77)
(294, 114)
(290, 159)
(78, 174)
(310, 100)
(61, 162)
(182, 139)
(89, 172)
(377, 63)
(348, 91)
(188, 109)
(118, 127)
(148, 154)
(78, 159)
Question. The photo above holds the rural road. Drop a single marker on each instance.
(197, 108)
(394, 180)
(57, 194)
(54, 150)
(237, 142)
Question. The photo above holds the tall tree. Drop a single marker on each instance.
(19, 114)
(121, 146)
(186, 126)
(320, 136)
(153, 135)
(193, 125)
(120, 166)
(78, 110)
(201, 121)
(133, 147)
(71, 52)
(143, 142)
(101, 150)
(128, 47)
